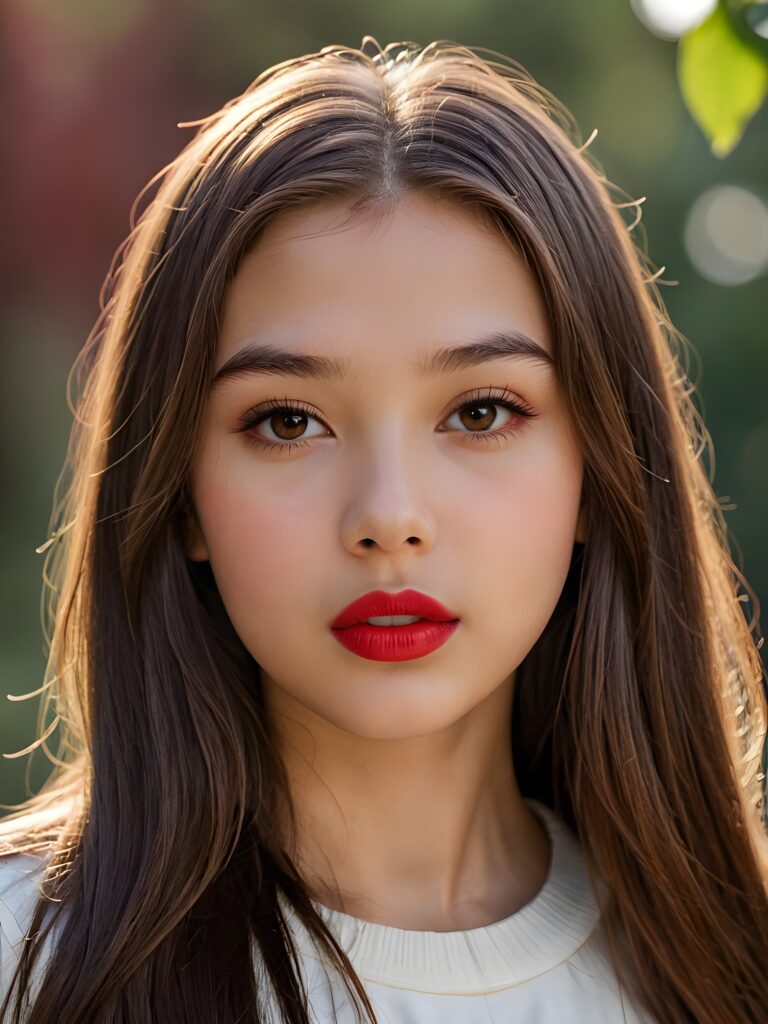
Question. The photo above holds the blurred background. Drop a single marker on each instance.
(94, 91)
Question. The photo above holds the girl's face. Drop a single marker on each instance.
(475, 505)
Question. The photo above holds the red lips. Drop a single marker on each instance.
(379, 602)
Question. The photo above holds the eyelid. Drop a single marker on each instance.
(505, 398)
(487, 394)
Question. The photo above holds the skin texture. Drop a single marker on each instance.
(401, 772)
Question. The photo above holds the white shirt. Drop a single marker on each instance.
(548, 963)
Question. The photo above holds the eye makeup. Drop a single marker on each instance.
(486, 398)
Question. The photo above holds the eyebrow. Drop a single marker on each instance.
(257, 358)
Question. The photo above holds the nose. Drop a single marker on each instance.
(389, 509)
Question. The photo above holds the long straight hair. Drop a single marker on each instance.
(639, 714)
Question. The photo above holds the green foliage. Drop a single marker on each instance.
(722, 69)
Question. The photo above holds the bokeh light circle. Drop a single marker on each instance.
(672, 18)
(726, 235)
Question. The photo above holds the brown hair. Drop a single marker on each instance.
(639, 712)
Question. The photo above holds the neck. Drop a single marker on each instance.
(426, 833)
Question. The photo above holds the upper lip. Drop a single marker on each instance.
(379, 602)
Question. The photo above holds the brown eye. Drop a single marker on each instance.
(478, 415)
(288, 421)
(287, 425)
(481, 416)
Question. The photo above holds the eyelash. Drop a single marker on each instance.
(259, 413)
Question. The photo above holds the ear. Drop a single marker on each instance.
(195, 547)
(582, 524)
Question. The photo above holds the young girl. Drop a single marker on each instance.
(399, 662)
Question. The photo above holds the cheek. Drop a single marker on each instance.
(261, 543)
(528, 532)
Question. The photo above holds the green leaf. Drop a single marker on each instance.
(723, 80)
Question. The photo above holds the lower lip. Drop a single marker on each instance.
(395, 643)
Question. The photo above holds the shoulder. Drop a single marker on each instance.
(20, 877)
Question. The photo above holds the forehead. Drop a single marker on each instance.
(429, 272)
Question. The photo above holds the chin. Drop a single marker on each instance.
(400, 718)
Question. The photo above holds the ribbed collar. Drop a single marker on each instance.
(542, 934)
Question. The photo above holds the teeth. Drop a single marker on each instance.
(393, 620)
